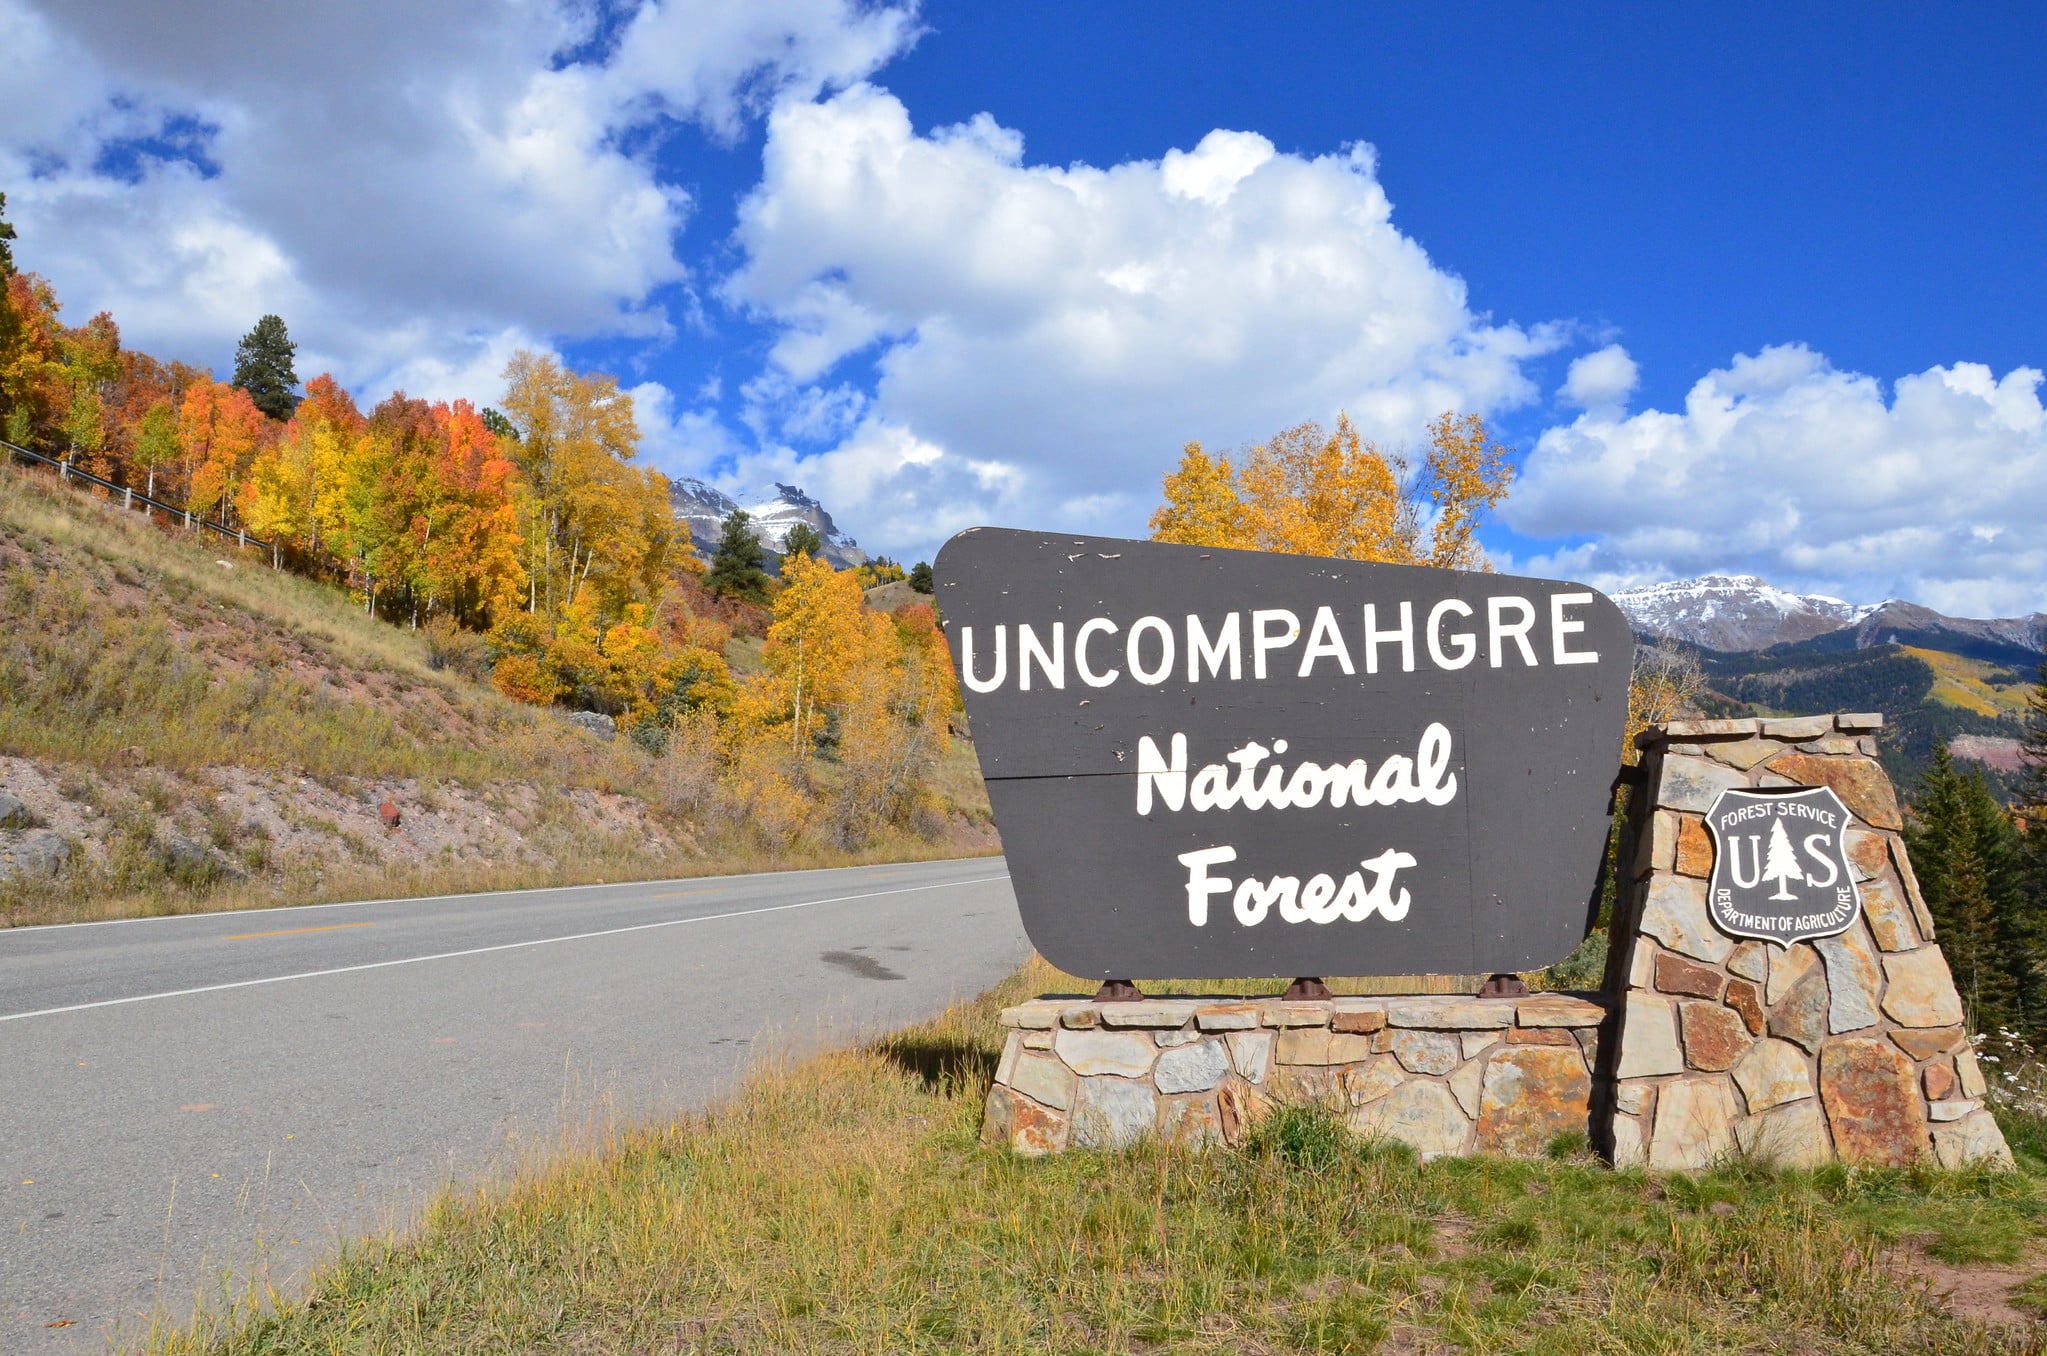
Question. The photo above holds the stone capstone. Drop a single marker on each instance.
(1558, 1010)
(1675, 915)
(1771, 1074)
(1691, 784)
(1426, 1052)
(1649, 1038)
(1242, 1017)
(1872, 1102)
(1861, 783)
(1694, 1123)
(1192, 1068)
(1714, 1036)
(1127, 1054)
(1112, 1113)
(1790, 1136)
(1852, 977)
(1469, 1014)
(1921, 991)
(1424, 1115)
(1530, 1096)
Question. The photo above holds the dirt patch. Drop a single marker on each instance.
(1979, 1292)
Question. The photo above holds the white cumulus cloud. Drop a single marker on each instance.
(1601, 379)
(1784, 466)
(1052, 335)
(404, 182)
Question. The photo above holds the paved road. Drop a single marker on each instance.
(182, 1096)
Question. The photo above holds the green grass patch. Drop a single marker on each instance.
(846, 1205)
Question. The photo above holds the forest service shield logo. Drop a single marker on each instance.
(1780, 865)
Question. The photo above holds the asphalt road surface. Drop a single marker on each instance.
(183, 1099)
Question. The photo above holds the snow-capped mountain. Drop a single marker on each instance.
(774, 511)
(1734, 612)
(1741, 612)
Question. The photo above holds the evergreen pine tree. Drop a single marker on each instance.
(7, 236)
(1964, 853)
(802, 541)
(2029, 884)
(920, 577)
(1782, 865)
(736, 565)
(263, 367)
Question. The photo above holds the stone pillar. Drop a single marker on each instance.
(1849, 1047)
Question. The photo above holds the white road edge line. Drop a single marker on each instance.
(484, 950)
(482, 894)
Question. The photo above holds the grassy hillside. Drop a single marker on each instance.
(845, 1205)
(187, 728)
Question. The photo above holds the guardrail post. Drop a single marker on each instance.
(242, 537)
(127, 496)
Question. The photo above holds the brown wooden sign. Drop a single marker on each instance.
(1211, 763)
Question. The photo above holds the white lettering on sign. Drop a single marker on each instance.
(1321, 899)
(1238, 779)
(1450, 638)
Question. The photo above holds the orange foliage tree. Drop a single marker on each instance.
(1308, 491)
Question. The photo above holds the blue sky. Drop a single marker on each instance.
(1748, 290)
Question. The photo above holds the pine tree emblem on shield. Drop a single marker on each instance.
(1780, 865)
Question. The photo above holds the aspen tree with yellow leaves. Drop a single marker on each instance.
(1316, 492)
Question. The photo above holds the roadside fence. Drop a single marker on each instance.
(130, 497)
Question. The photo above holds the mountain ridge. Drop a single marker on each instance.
(703, 507)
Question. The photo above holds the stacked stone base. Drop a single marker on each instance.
(1450, 1076)
(1849, 1048)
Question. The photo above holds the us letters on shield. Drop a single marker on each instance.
(1780, 865)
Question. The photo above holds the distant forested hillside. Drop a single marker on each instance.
(1924, 702)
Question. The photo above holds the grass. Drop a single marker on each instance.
(1974, 685)
(845, 1205)
(127, 646)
